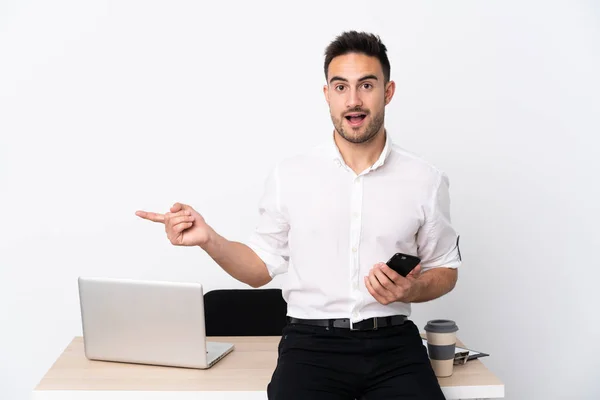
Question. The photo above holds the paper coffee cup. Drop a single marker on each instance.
(441, 344)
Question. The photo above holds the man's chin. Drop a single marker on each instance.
(355, 137)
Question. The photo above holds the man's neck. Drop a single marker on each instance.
(360, 156)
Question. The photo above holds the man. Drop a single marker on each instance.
(329, 218)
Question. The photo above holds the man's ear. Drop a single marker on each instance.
(390, 89)
(326, 93)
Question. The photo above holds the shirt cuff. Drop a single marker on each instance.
(275, 264)
(449, 260)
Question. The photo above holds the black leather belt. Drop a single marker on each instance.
(364, 325)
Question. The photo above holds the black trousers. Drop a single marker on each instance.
(318, 363)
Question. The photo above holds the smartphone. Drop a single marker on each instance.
(403, 263)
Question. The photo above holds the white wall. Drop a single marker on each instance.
(109, 107)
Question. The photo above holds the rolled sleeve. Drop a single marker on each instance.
(437, 240)
(270, 238)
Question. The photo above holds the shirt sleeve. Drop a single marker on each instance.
(270, 238)
(437, 240)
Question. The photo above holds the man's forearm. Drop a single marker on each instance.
(238, 260)
(433, 283)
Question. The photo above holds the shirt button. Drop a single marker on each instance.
(338, 163)
(354, 249)
(355, 285)
(355, 214)
(355, 315)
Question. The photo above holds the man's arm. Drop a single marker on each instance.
(387, 286)
(186, 227)
(238, 260)
(432, 284)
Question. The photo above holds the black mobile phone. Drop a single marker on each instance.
(403, 263)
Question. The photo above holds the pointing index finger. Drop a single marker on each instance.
(155, 217)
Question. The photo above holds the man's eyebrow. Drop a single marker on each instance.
(338, 78)
(364, 78)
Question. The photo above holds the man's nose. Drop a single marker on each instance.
(354, 99)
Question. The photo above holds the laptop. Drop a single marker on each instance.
(146, 322)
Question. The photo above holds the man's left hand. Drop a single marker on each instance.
(387, 286)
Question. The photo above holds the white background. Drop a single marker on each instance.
(110, 107)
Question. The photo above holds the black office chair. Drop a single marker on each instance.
(244, 312)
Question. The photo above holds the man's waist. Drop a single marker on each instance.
(345, 323)
(309, 306)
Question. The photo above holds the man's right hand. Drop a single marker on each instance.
(184, 225)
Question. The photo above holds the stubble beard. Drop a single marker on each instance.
(353, 135)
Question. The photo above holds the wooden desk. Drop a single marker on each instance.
(243, 374)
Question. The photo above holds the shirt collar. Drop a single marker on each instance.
(387, 148)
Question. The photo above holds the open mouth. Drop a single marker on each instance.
(355, 119)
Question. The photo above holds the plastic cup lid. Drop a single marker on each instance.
(441, 326)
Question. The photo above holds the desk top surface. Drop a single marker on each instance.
(248, 368)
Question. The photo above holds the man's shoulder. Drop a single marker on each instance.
(417, 163)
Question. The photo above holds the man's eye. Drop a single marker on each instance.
(339, 88)
(367, 86)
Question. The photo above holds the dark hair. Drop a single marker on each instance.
(358, 42)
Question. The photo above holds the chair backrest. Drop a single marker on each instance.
(244, 312)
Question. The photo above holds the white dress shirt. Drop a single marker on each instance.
(325, 226)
